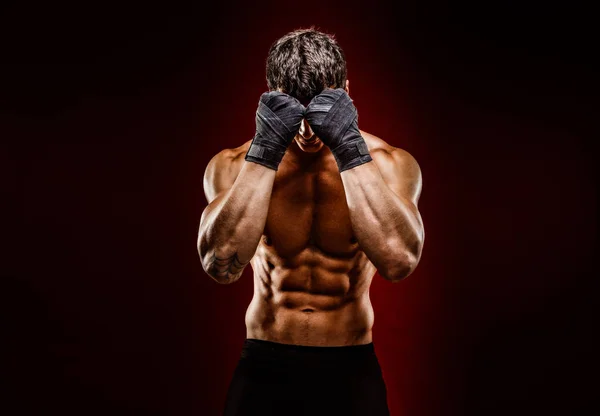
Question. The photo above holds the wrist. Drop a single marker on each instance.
(265, 154)
(351, 154)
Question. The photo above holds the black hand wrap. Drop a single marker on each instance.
(278, 119)
(334, 119)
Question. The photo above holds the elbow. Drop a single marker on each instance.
(403, 261)
(202, 249)
(208, 266)
(221, 271)
(209, 269)
(226, 279)
(400, 268)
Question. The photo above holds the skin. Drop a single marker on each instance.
(314, 237)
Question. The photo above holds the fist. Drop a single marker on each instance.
(278, 117)
(334, 119)
(278, 120)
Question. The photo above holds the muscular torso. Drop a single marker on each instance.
(311, 279)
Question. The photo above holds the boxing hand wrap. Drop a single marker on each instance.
(278, 119)
(334, 119)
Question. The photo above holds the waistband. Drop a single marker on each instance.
(260, 348)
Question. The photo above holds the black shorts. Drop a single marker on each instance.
(288, 380)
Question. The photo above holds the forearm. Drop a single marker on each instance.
(387, 227)
(231, 226)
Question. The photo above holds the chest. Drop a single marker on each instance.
(308, 209)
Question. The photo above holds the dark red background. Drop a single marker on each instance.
(110, 113)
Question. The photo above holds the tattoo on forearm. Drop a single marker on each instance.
(226, 268)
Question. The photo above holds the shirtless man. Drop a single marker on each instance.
(316, 206)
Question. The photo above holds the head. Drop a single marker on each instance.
(302, 64)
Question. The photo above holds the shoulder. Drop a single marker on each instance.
(387, 156)
(398, 168)
(223, 169)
